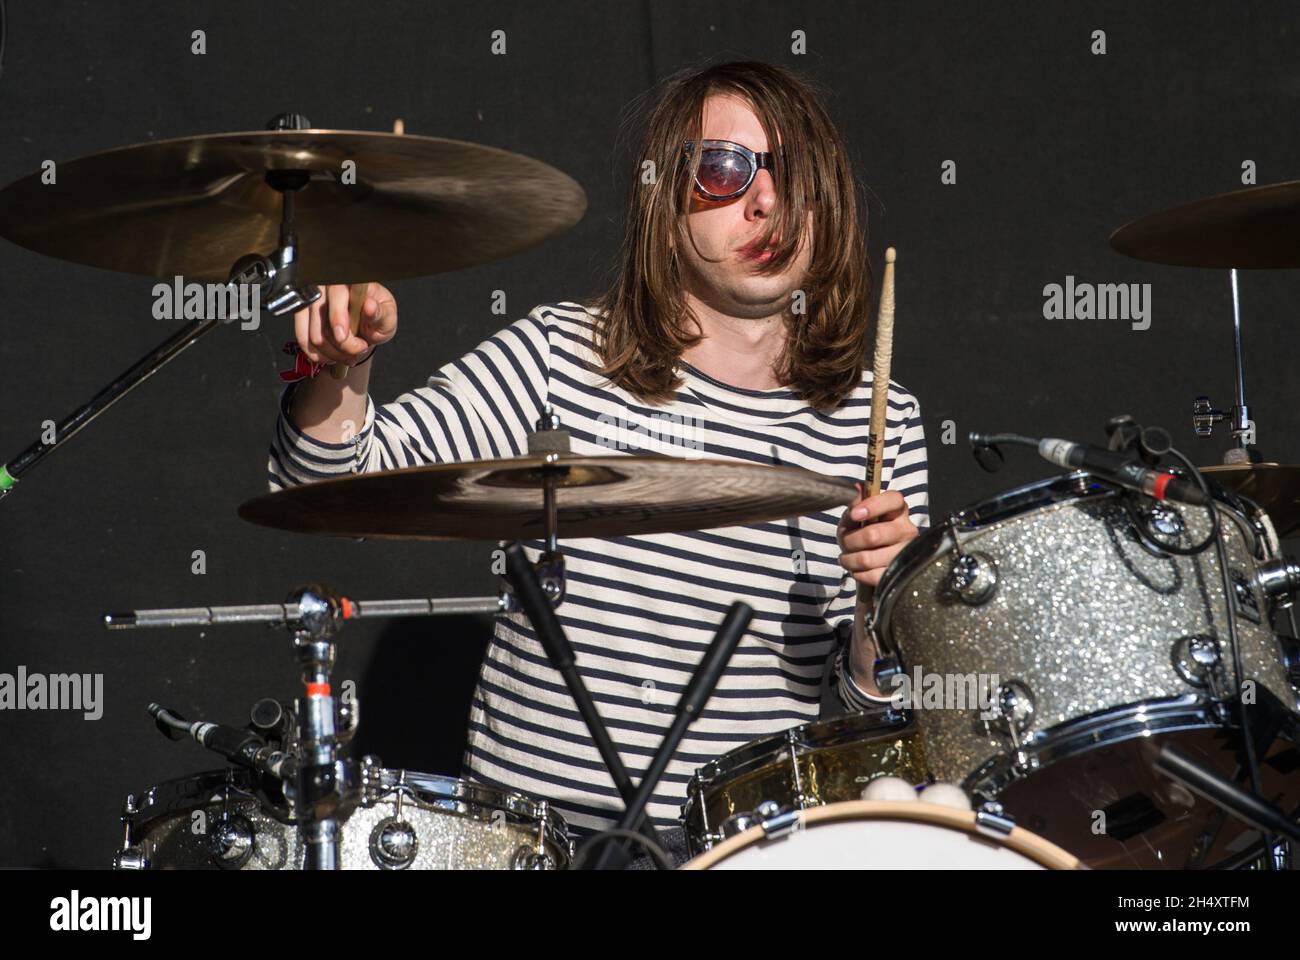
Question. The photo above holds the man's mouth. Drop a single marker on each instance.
(755, 251)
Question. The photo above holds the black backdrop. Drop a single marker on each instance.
(1054, 147)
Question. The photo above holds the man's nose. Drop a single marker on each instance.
(762, 192)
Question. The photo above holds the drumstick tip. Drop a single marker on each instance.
(890, 255)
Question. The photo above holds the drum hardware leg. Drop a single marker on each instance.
(1244, 805)
(1253, 856)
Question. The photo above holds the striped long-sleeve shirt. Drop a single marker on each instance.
(639, 610)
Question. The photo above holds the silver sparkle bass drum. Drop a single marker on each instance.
(1049, 645)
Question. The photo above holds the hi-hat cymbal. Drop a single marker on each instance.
(1258, 227)
(503, 499)
(1274, 486)
(193, 206)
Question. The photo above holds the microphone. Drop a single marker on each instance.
(1121, 469)
(236, 745)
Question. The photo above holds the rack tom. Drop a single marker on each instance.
(1091, 648)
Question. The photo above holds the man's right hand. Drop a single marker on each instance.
(323, 330)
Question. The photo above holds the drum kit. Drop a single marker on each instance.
(1132, 701)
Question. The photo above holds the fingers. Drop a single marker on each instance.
(378, 315)
(864, 561)
(340, 342)
(882, 533)
(885, 503)
(317, 328)
(870, 577)
(868, 549)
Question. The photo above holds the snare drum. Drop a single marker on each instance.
(876, 835)
(405, 820)
(1093, 647)
(817, 763)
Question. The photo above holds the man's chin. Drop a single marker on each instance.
(759, 291)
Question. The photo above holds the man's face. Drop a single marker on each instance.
(717, 268)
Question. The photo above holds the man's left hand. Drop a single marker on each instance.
(872, 532)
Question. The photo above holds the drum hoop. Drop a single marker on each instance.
(1114, 725)
(181, 794)
(463, 797)
(806, 738)
(1019, 840)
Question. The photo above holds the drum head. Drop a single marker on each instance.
(876, 835)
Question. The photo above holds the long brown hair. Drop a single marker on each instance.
(643, 324)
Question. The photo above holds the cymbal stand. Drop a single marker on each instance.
(281, 293)
(1205, 416)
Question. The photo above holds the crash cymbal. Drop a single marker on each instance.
(502, 499)
(1258, 227)
(193, 206)
(1274, 486)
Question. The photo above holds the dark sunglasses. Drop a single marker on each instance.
(726, 169)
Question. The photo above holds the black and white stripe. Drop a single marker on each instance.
(639, 611)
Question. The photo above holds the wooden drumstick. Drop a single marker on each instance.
(357, 292)
(879, 407)
(880, 376)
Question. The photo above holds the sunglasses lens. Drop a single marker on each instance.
(723, 172)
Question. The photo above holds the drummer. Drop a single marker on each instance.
(736, 327)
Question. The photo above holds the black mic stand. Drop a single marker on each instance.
(530, 595)
(697, 693)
